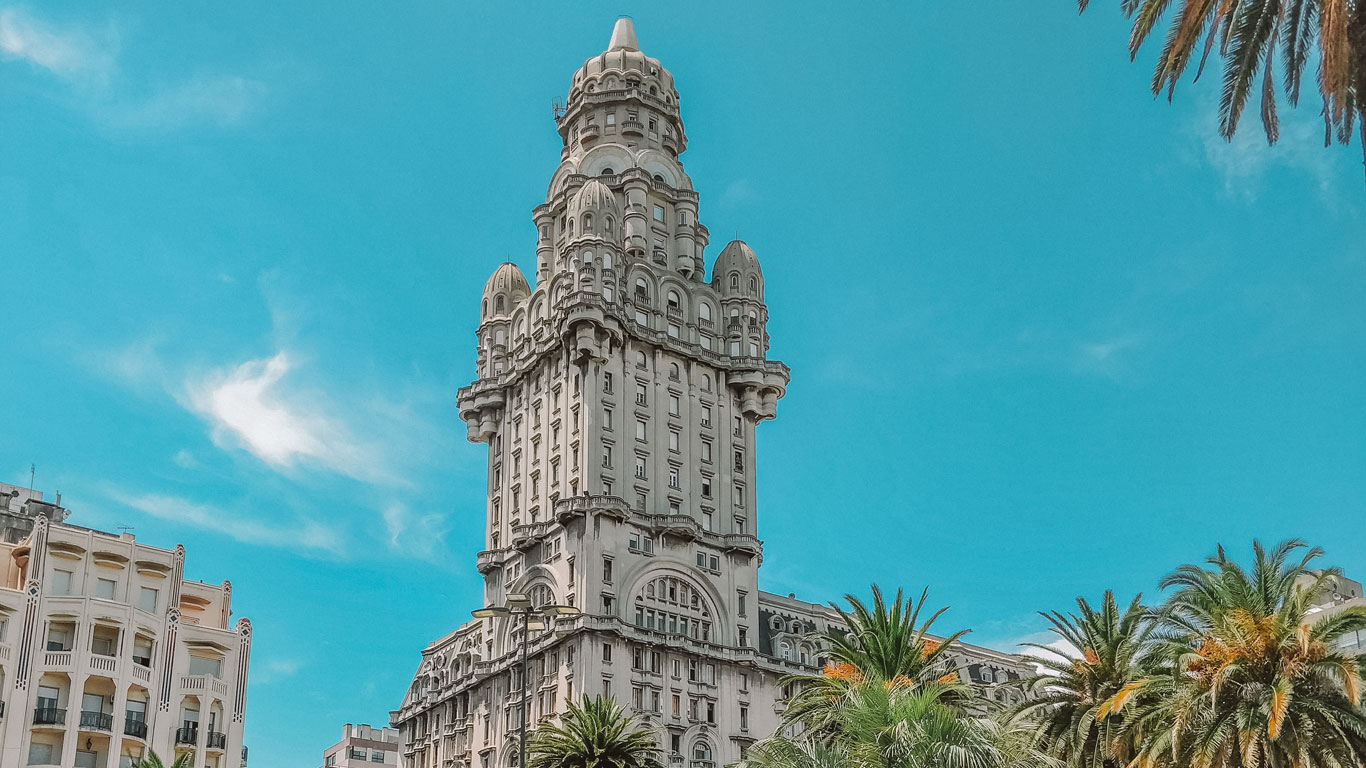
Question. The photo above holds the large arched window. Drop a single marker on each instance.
(641, 360)
(606, 259)
(704, 311)
(588, 258)
(701, 750)
(642, 290)
(674, 302)
(673, 371)
(674, 605)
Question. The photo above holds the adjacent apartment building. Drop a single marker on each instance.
(619, 399)
(107, 651)
(362, 746)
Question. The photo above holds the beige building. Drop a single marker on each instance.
(619, 398)
(106, 651)
(1344, 593)
(363, 747)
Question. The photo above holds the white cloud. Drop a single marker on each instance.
(69, 53)
(1244, 164)
(185, 460)
(221, 101)
(249, 405)
(87, 60)
(306, 535)
(420, 536)
(273, 670)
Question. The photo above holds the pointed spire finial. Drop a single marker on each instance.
(624, 35)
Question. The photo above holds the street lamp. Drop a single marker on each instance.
(516, 605)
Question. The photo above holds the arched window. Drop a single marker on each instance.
(606, 172)
(704, 311)
(587, 221)
(541, 595)
(753, 284)
(606, 259)
(641, 360)
(607, 224)
(608, 294)
(701, 751)
(499, 337)
(673, 605)
(706, 382)
(588, 258)
(486, 307)
(673, 371)
(642, 291)
(498, 304)
(571, 227)
(673, 300)
(785, 649)
(659, 178)
(734, 276)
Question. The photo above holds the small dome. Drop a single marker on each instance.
(504, 290)
(736, 271)
(594, 196)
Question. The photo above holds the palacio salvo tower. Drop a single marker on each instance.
(619, 398)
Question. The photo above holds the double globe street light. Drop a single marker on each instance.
(518, 605)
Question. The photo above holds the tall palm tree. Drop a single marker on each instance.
(1245, 676)
(882, 724)
(1066, 701)
(596, 733)
(1249, 35)
(885, 642)
(152, 760)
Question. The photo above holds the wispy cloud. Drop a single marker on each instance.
(273, 670)
(86, 60)
(305, 534)
(422, 536)
(1106, 357)
(72, 54)
(250, 405)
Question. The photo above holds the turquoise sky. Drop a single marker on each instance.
(1047, 335)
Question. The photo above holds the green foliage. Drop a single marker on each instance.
(1101, 654)
(1248, 35)
(152, 760)
(595, 733)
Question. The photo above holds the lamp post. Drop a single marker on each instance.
(518, 605)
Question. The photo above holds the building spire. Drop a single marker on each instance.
(624, 35)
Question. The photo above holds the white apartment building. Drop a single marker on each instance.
(363, 747)
(107, 651)
(619, 398)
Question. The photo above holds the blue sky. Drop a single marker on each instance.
(1047, 335)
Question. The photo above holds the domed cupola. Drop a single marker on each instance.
(595, 209)
(504, 290)
(736, 273)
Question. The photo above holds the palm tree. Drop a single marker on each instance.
(594, 734)
(1245, 676)
(883, 642)
(152, 760)
(1065, 706)
(882, 724)
(1249, 35)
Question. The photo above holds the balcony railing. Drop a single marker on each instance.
(187, 735)
(49, 716)
(98, 721)
(135, 727)
(216, 740)
(101, 663)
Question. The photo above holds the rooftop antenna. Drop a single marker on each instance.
(32, 470)
(124, 529)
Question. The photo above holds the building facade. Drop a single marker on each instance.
(363, 747)
(619, 398)
(107, 651)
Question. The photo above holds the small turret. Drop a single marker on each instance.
(504, 289)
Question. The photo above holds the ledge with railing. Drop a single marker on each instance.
(49, 716)
(216, 740)
(135, 727)
(97, 721)
(187, 735)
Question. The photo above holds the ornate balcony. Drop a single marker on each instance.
(632, 128)
(135, 727)
(187, 735)
(216, 740)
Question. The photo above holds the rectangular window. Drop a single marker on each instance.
(61, 582)
(104, 588)
(640, 396)
(673, 477)
(740, 604)
(147, 599)
(607, 383)
(706, 487)
(744, 637)
(607, 569)
(706, 415)
(611, 118)
(744, 718)
(640, 467)
(607, 418)
(202, 665)
(607, 652)
(673, 441)
(659, 213)
(673, 405)
(607, 456)
(706, 450)
(640, 430)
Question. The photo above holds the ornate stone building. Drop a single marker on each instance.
(107, 651)
(619, 399)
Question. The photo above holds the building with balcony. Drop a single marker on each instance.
(619, 398)
(107, 651)
(362, 746)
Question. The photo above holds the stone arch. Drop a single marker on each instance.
(712, 601)
(605, 156)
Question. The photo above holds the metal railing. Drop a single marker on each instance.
(49, 716)
(186, 735)
(216, 740)
(97, 720)
(135, 727)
